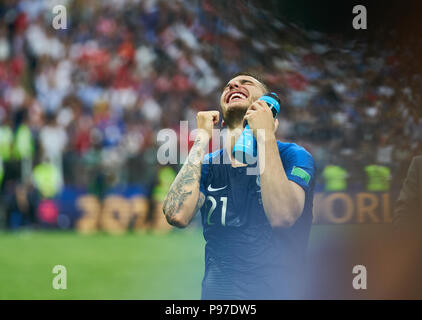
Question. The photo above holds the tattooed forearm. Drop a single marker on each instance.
(180, 189)
(200, 202)
(184, 191)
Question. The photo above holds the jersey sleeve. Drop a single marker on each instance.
(299, 166)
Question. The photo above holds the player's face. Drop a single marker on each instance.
(240, 92)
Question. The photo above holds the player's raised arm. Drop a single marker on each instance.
(184, 198)
(282, 199)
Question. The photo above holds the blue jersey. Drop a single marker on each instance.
(245, 257)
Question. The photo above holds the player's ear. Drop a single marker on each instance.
(223, 124)
(276, 125)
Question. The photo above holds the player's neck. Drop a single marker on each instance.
(232, 135)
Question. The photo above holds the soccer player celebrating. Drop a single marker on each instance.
(256, 226)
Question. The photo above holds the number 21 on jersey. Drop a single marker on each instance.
(212, 209)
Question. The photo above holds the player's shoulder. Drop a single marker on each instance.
(211, 157)
(291, 149)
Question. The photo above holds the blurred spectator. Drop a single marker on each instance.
(53, 140)
(46, 178)
(21, 207)
(6, 140)
(166, 176)
(1, 172)
(93, 97)
(379, 177)
(23, 147)
(335, 178)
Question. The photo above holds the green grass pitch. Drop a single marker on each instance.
(134, 266)
(101, 266)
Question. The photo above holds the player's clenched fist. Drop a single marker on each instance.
(259, 116)
(206, 120)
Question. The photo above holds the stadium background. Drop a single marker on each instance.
(80, 110)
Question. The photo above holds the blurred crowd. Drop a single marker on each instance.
(82, 106)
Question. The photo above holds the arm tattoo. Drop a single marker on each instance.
(201, 200)
(182, 186)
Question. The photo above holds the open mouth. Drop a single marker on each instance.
(237, 95)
